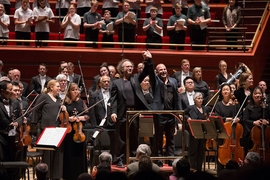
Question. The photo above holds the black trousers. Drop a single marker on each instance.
(70, 44)
(81, 12)
(91, 35)
(128, 36)
(42, 36)
(177, 37)
(197, 36)
(23, 36)
(2, 41)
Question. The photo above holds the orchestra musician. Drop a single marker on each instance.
(75, 161)
(196, 146)
(9, 111)
(253, 116)
(223, 76)
(47, 115)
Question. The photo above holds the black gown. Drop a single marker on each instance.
(75, 161)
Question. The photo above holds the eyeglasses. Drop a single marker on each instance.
(190, 82)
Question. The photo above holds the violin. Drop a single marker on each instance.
(79, 136)
(26, 139)
(64, 118)
(15, 140)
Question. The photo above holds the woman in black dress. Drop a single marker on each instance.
(75, 161)
(46, 114)
(253, 116)
(223, 76)
(200, 85)
(196, 146)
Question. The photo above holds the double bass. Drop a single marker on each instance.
(260, 135)
(231, 148)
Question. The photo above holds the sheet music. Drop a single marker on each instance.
(52, 136)
(161, 33)
(180, 22)
(131, 15)
(202, 25)
(110, 26)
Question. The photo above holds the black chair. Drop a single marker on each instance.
(36, 158)
(15, 165)
(178, 143)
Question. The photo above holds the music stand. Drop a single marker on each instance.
(218, 124)
(202, 129)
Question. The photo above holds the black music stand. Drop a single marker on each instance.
(218, 124)
(202, 129)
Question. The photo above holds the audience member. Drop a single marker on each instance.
(61, 8)
(111, 6)
(174, 175)
(4, 24)
(84, 176)
(182, 168)
(83, 7)
(157, 4)
(105, 162)
(177, 25)
(2, 73)
(144, 162)
(6, 4)
(41, 171)
(39, 82)
(135, 6)
(71, 23)
(91, 23)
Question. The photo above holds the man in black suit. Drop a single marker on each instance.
(181, 75)
(187, 96)
(16, 76)
(166, 97)
(126, 94)
(100, 111)
(39, 82)
(9, 111)
(262, 84)
(73, 77)
(2, 73)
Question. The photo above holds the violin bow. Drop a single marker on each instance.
(233, 121)
(85, 90)
(62, 101)
(90, 107)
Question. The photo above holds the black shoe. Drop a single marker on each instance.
(120, 164)
(159, 163)
(170, 163)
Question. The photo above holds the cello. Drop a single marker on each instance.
(231, 148)
(78, 136)
(260, 135)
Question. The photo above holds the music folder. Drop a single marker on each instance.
(202, 129)
(51, 138)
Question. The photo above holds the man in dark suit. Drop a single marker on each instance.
(9, 111)
(16, 76)
(73, 77)
(263, 86)
(181, 75)
(126, 94)
(166, 97)
(187, 96)
(39, 82)
(99, 111)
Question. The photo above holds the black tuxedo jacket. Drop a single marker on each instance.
(184, 100)
(98, 112)
(36, 84)
(178, 76)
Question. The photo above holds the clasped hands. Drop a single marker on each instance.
(260, 122)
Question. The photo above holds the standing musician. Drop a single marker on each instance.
(196, 146)
(47, 115)
(253, 116)
(62, 79)
(75, 161)
(9, 111)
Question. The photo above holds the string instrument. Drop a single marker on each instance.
(260, 135)
(210, 144)
(15, 143)
(231, 148)
(64, 118)
(26, 138)
(79, 136)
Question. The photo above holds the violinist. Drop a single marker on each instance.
(196, 146)
(47, 115)
(9, 111)
(253, 116)
(75, 161)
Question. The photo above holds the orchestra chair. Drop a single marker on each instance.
(178, 143)
(36, 157)
(16, 164)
